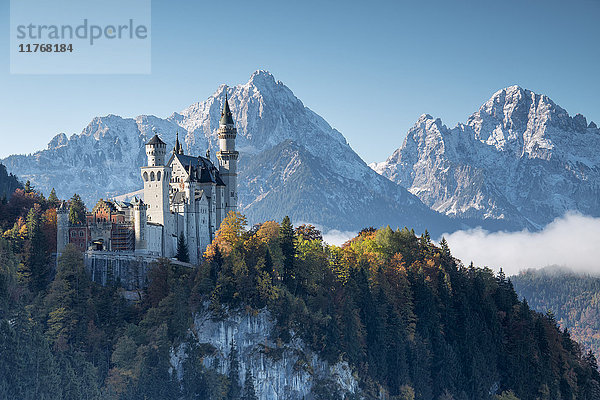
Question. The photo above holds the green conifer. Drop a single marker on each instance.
(76, 210)
(249, 392)
(286, 235)
(234, 373)
(182, 249)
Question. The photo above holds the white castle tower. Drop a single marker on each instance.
(228, 157)
(139, 224)
(62, 224)
(156, 182)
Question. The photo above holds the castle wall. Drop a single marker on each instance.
(126, 270)
(202, 224)
(154, 239)
(62, 231)
(140, 227)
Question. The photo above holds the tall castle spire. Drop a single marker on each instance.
(177, 149)
(226, 117)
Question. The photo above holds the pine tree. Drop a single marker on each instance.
(216, 263)
(501, 277)
(234, 373)
(590, 358)
(36, 257)
(249, 392)
(67, 299)
(182, 249)
(76, 210)
(269, 266)
(445, 248)
(28, 187)
(53, 200)
(286, 240)
(156, 382)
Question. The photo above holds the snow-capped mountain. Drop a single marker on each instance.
(521, 159)
(292, 162)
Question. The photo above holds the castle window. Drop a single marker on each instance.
(80, 233)
(146, 176)
(152, 178)
(158, 176)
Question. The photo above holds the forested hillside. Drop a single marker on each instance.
(411, 321)
(573, 298)
(8, 183)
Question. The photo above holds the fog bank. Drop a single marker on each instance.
(572, 241)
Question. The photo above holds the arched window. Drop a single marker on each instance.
(152, 175)
(80, 233)
(73, 234)
(158, 176)
(146, 176)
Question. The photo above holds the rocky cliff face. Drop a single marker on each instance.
(292, 162)
(521, 160)
(280, 371)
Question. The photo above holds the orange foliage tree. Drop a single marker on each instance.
(231, 232)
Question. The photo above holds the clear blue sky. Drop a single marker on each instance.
(354, 63)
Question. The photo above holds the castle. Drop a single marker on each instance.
(186, 196)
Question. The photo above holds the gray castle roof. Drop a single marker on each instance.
(202, 169)
(156, 140)
(226, 117)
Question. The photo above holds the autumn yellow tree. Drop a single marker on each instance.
(229, 234)
(268, 231)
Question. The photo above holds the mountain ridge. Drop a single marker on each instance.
(520, 158)
(104, 160)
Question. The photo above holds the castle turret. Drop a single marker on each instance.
(62, 227)
(228, 157)
(177, 149)
(156, 182)
(139, 225)
(156, 150)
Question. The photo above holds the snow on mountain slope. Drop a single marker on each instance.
(292, 162)
(520, 159)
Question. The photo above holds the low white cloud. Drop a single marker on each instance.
(332, 236)
(572, 241)
(338, 238)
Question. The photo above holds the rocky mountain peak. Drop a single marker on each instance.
(423, 118)
(426, 121)
(58, 141)
(514, 104)
(262, 79)
(520, 158)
